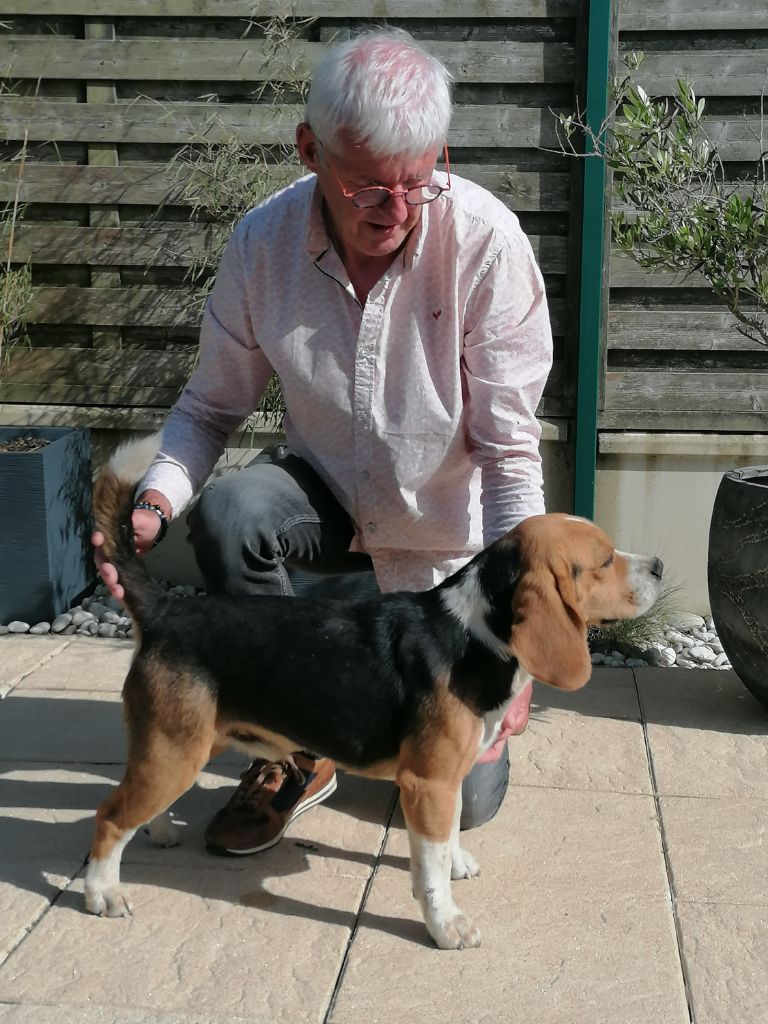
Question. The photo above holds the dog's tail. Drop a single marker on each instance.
(112, 510)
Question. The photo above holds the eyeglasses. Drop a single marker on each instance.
(377, 195)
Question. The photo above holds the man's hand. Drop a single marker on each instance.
(515, 721)
(146, 526)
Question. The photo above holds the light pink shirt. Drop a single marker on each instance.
(417, 409)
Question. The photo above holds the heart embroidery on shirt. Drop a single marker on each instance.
(437, 313)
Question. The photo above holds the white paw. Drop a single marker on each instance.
(111, 902)
(163, 831)
(463, 864)
(456, 932)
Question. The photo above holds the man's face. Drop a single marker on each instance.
(377, 231)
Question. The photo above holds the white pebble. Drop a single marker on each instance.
(17, 626)
(3, 630)
(40, 628)
(721, 661)
(701, 654)
(686, 620)
(110, 617)
(61, 622)
(81, 616)
(107, 629)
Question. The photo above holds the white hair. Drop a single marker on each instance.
(385, 90)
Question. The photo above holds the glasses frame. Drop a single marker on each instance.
(391, 192)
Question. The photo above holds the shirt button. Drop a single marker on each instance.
(370, 527)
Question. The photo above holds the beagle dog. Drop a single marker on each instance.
(407, 686)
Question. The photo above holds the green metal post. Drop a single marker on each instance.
(592, 259)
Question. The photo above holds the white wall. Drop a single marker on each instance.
(655, 494)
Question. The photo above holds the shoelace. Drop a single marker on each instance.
(260, 772)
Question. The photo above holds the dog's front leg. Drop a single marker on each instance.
(429, 812)
(463, 864)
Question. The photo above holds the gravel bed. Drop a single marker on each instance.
(688, 641)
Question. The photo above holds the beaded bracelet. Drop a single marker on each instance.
(150, 507)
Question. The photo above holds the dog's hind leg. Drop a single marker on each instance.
(153, 781)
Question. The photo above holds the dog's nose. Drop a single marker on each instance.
(657, 568)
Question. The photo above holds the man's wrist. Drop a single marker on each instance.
(156, 498)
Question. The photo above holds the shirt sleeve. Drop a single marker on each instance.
(507, 356)
(230, 378)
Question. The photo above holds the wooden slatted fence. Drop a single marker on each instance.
(675, 360)
(107, 92)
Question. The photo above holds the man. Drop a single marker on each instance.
(403, 311)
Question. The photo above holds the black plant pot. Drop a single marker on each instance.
(46, 559)
(738, 574)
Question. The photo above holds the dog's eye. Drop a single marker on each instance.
(607, 563)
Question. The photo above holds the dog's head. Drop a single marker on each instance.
(569, 576)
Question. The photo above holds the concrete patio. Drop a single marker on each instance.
(624, 880)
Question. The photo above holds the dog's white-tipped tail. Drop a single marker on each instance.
(131, 461)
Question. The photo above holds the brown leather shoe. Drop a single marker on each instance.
(269, 797)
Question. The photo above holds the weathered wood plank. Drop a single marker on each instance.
(151, 184)
(296, 8)
(87, 394)
(474, 125)
(86, 367)
(716, 392)
(96, 417)
(715, 72)
(247, 60)
(693, 16)
(625, 273)
(176, 245)
(114, 307)
(670, 419)
(678, 329)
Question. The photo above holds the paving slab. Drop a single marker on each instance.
(717, 849)
(60, 726)
(591, 739)
(572, 887)
(90, 663)
(220, 942)
(21, 654)
(35, 1013)
(707, 735)
(725, 948)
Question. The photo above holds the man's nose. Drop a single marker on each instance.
(396, 207)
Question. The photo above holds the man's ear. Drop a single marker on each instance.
(549, 638)
(307, 145)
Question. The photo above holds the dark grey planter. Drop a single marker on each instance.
(738, 574)
(46, 559)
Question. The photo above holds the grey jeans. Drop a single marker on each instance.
(274, 527)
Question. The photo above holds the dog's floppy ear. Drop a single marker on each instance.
(549, 637)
